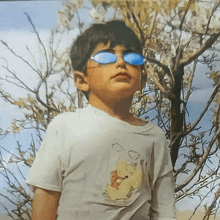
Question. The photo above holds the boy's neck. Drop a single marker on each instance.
(119, 109)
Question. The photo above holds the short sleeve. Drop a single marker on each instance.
(46, 171)
(163, 195)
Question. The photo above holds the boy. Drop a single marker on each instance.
(101, 162)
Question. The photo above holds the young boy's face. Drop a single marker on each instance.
(114, 81)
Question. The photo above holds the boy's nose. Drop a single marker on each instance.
(120, 61)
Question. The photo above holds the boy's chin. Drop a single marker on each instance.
(124, 92)
(117, 96)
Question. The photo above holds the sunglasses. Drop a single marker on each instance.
(107, 57)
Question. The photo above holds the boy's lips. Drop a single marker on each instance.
(122, 74)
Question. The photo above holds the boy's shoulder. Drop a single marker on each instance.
(65, 117)
(152, 129)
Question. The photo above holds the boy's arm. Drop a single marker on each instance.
(44, 205)
(163, 200)
(163, 192)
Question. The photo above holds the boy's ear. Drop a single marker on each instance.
(81, 81)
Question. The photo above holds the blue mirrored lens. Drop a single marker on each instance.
(105, 57)
(133, 59)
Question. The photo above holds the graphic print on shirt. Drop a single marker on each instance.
(125, 178)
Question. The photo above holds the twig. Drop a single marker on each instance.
(211, 15)
(17, 78)
(39, 39)
(200, 51)
(185, 13)
(158, 63)
(192, 126)
(200, 203)
(25, 61)
(6, 98)
(210, 208)
(200, 163)
(204, 111)
(190, 84)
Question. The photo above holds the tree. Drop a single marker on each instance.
(52, 93)
(178, 36)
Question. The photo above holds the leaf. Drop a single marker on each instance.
(29, 160)
(143, 9)
(192, 5)
(95, 15)
(95, 2)
(30, 99)
(11, 160)
(20, 103)
(208, 12)
(173, 3)
(37, 117)
(21, 153)
(15, 128)
(136, 11)
(20, 189)
(156, 7)
(144, 6)
(183, 8)
(215, 76)
(217, 99)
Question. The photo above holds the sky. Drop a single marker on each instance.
(43, 13)
(15, 28)
(17, 32)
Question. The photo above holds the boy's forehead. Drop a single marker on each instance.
(102, 46)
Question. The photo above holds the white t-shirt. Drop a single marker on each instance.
(105, 168)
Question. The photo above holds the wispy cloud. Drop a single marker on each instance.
(19, 41)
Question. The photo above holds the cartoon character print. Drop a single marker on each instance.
(124, 179)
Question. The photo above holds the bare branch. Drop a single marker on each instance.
(200, 51)
(9, 214)
(20, 172)
(77, 13)
(201, 202)
(40, 41)
(9, 152)
(167, 93)
(190, 84)
(185, 13)
(210, 208)
(18, 79)
(198, 185)
(40, 100)
(32, 55)
(25, 61)
(137, 24)
(211, 15)
(193, 125)
(153, 24)
(200, 163)
(6, 97)
(158, 63)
